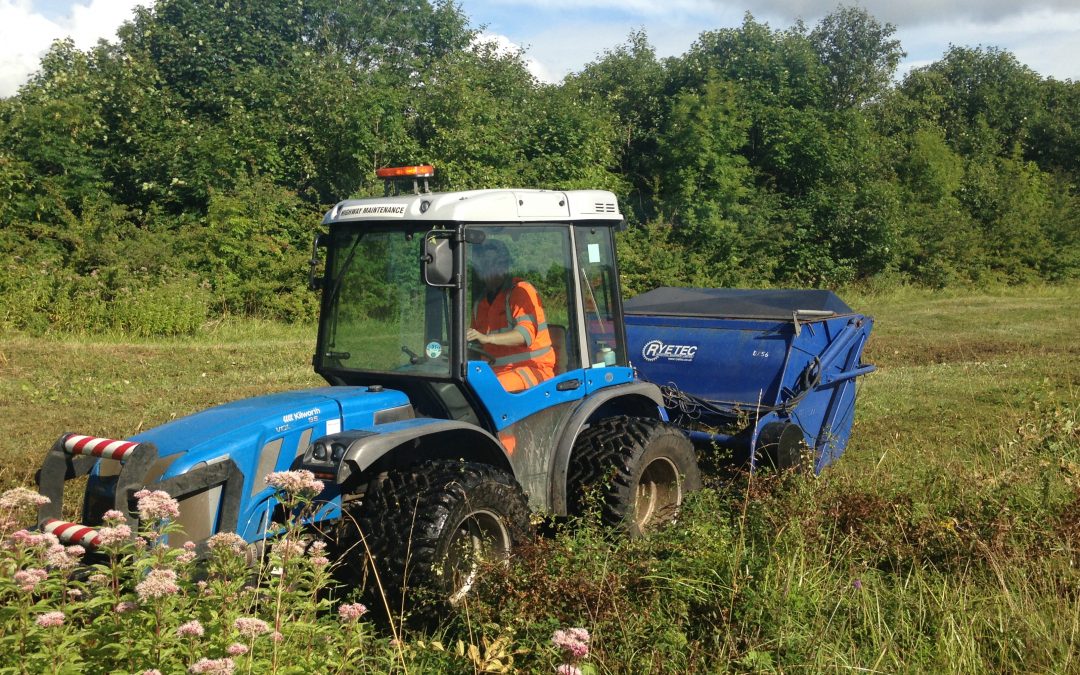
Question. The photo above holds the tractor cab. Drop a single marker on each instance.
(403, 281)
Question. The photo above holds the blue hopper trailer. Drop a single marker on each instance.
(768, 374)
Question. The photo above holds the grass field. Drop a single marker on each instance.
(946, 539)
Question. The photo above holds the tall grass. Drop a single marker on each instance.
(946, 539)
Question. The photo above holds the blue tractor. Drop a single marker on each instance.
(428, 461)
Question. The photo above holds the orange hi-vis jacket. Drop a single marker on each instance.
(517, 307)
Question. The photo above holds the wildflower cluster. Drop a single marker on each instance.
(21, 498)
(157, 584)
(574, 644)
(300, 483)
(160, 607)
(351, 613)
(156, 505)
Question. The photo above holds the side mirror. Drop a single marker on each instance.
(321, 240)
(438, 260)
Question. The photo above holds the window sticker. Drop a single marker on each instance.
(594, 253)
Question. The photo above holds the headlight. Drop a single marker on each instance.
(338, 451)
(319, 453)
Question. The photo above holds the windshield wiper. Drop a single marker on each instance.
(344, 268)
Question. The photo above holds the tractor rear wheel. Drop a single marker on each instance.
(419, 536)
(640, 469)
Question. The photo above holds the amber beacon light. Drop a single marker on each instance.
(418, 171)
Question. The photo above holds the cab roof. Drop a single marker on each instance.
(483, 206)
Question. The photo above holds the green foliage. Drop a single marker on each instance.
(199, 148)
(255, 244)
(630, 81)
(858, 54)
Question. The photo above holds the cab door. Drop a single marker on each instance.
(527, 422)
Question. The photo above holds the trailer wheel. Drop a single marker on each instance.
(781, 447)
(428, 529)
(640, 469)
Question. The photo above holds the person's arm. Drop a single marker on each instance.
(522, 332)
(510, 338)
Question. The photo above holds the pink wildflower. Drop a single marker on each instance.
(111, 536)
(190, 629)
(113, 517)
(573, 641)
(251, 627)
(567, 669)
(276, 636)
(351, 612)
(320, 561)
(21, 498)
(99, 579)
(74, 593)
(188, 555)
(151, 671)
(227, 540)
(156, 505)
(213, 666)
(287, 549)
(300, 483)
(57, 556)
(157, 584)
(34, 540)
(125, 607)
(50, 619)
(29, 579)
(236, 649)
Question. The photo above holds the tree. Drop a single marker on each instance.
(630, 81)
(471, 118)
(858, 55)
(983, 98)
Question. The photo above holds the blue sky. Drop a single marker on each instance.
(561, 36)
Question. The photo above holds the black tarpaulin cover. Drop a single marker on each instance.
(736, 303)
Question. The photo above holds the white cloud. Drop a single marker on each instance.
(505, 45)
(25, 33)
(1047, 41)
(565, 35)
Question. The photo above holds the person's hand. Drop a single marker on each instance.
(473, 335)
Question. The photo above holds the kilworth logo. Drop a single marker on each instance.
(656, 349)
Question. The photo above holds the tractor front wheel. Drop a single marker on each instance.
(418, 537)
(639, 469)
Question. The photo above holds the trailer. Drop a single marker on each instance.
(769, 374)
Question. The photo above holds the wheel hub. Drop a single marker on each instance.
(659, 492)
(481, 535)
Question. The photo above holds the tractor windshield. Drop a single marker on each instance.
(379, 315)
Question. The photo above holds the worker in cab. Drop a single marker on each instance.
(508, 323)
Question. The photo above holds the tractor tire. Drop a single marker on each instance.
(640, 470)
(416, 540)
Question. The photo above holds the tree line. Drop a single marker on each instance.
(180, 171)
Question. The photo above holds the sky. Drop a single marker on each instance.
(562, 36)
